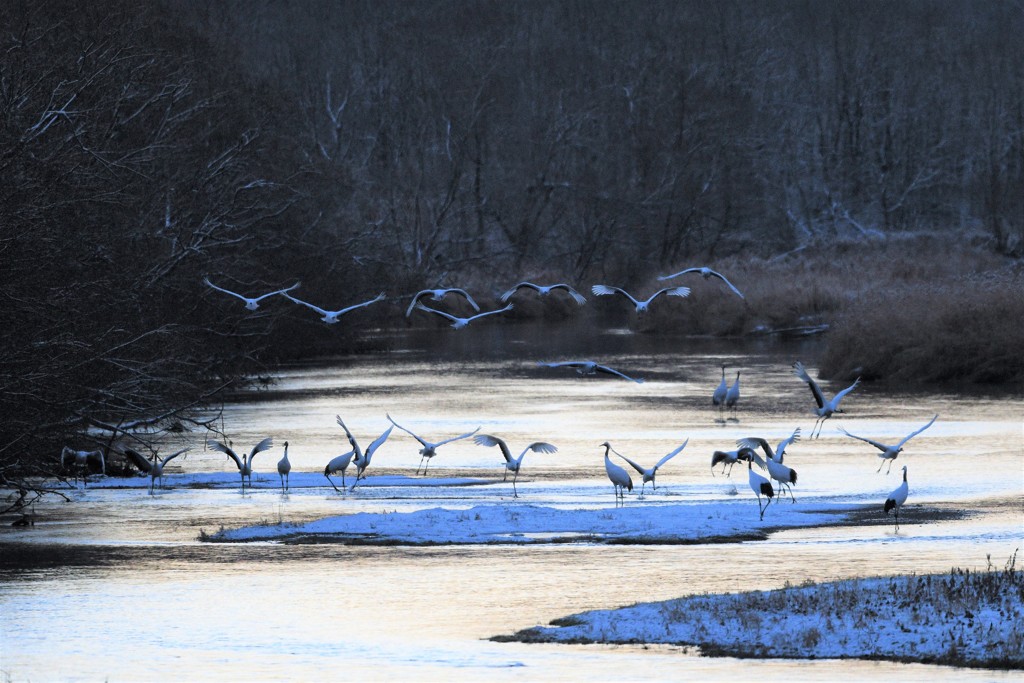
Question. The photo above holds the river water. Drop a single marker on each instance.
(115, 584)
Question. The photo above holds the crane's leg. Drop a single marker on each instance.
(425, 466)
(333, 484)
(515, 494)
(766, 507)
(897, 519)
(759, 508)
(880, 465)
(889, 469)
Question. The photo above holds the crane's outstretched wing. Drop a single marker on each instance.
(365, 303)
(671, 455)
(880, 446)
(612, 371)
(801, 372)
(670, 291)
(604, 290)
(488, 440)
(351, 439)
(218, 446)
(138, 460)
(781, 448)
(844, 392)
(422, 442)
(755, 442)
(306, 304)
(726, 281)
(279, 291)
(260, 447)
(440, 313)
(456, 438)
(465, 294)
(378, 442)
(486, 313)
(172, 456)
(634, 465)
(541, 447)
(577, 297)
(515, 288)
(226, 291)
(913, 434)
(681, 272)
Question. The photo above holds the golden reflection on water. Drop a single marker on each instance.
(132, 595)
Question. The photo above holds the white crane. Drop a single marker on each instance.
(718, 398)
(154, 469)
(544, 290)
(284, 468)
(331, 317)
(362, 460)
(457, 322)
(81, 461)
(732, 397)
(729, 458)
(338, 464)
(759, 485)
(618, 476)
(825, 408)
(589, 367)
(429, 449)
(512, 464)
(897, 498)
(648, 474)
(439, 295)
(641, 306)
(244, 463)
(786, 476)
(251, 303)
(707, 273)
(889, 452)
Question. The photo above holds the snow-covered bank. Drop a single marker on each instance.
(960, 618)
(521, 523)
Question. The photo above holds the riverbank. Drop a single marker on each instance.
(962, 618)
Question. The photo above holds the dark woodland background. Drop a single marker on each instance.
(826, 153)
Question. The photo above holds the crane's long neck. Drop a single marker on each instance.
(904, 475)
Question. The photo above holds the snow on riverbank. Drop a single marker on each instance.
(959, 618)
(522, 523)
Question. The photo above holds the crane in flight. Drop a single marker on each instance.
(889, 453)
(544, 290)
(641, 306)
(439, 295)
(331, 317)
(360, 459)
(825, 408)
(513, 464)
(244, 462)
(589, 367)
(457, 322)
(154, 469)
(648, 473)
(251, 303)
(729, 458)
(429, 449)
(707, 274)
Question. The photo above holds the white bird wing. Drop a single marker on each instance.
(758, 460)
(681, 272)
(844, 392)
(488, 440)
(378, 442)
(440, 313)
(515, 288)
(138, 460)
(612, 371)
(260, 447)
(602, 290)
(671, 455)
(226, 291)
(754, 442)
(422, 442)
(415, 298)
(670, 291)
(456, 438)
(801, 372)
(365, 303)
(880, 446)
(577, 297)
(351, 438)
(913, 434)
(306, 304)
(468, 298)
(218, 446)
(634, 465)
(541, 447)
(726, 281)
(781, 448)
(486, 313)
(172, 456)
(279, 291)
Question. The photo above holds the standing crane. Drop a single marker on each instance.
(618, 476)
(284, 468)
(244, 463)
(648, 474)
(154, 469)
(512, 464)
(361, 459)
(897, 498)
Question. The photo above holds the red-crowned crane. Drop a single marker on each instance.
(889, 452)
(244, 463)
(641, 306)
(718, 398)
(825, 408)
(618, 476)
(251, 303)
(154, 469)
(589, 367)
(284, 468)
(362, 460)
(759, 485)
(429, 449)
(648, 474)
(439, 295)
(544, 290)
(897, 498)
(707, 274)
(786, 476)
(338, 464)
(512, 464)
(331, 317)
(457, 322)
(729, 458)
(81, 460)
